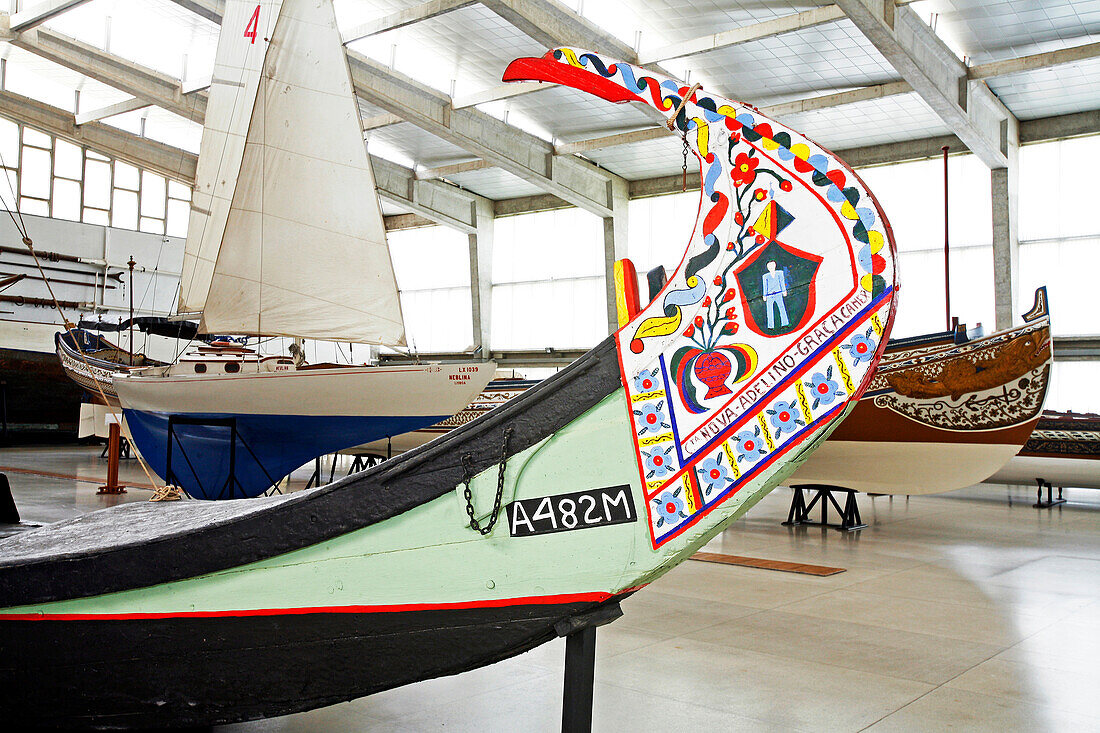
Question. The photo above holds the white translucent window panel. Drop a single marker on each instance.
(9, 143)
(126, 176)
(152, 195)
(34, 206)
(1068, 269)
(68, 160)
(547, 245)
(151, 226)
(162, 126)
(438, 319)
(660, 228)
(178, 213)
(97, 184)
(1057, 191)
(921, 297)
(124, 209)
(37, 139)
(35, 173)
(97, 216)
(911, 195)
(179, 191)
(560, 314)
(1074, 387)
(431, 257)
(66, 199)
(8, 186)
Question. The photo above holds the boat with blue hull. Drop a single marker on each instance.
(225, 422)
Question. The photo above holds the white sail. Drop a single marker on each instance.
(294, 242)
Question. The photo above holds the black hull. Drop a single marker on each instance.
(242, 668)
(37, 400)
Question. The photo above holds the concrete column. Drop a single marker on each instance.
(614, 244)
(1005, 183)
(481, 269)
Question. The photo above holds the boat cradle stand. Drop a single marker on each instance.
(799, 514)
(580, 665)
(232, 484)
(1050, 500)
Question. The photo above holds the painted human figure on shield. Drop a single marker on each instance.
(774, 285)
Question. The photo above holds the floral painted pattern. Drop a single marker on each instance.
(715, 477)
(784, 417)
(652, 418)
(749, 445)
(861, 348)
(670, 507)
(658, 462)
(646, 381)
(824, 388)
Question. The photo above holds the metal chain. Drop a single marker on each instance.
(468, 474)
(684, 182)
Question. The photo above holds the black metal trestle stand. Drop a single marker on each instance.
(580, 665)
(1050, 500)
(800, 510)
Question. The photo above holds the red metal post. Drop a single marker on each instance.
(131, 263)
(946, 247)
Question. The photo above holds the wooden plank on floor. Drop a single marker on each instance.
(755, 562)
(51, 474)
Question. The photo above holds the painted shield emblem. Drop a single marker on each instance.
(777, 288)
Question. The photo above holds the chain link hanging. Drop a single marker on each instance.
(468, 475)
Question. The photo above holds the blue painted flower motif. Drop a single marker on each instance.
(714, 476)
(784, 417)
(748, 444)
(646, 381)
(658, 463)
(670, 507)
(825, 389)
(861, 348)
(651, 417)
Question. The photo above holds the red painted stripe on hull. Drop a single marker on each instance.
(599, 597)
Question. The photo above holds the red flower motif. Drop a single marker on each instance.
(739, 218)
(730, 313)
(718, 280)
(730, 294)
(729, 245)
(759, 194)
(785, 185)
(706, 302)
(730, 328)
(744, 169)
(698, 321)
(689, 331)
(760, 239)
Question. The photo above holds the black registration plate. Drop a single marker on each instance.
(566, 512)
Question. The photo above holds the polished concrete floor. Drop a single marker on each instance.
(964, 611)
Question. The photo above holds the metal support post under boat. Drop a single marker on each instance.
(580, 672)
(580, 665)
(1050, 500)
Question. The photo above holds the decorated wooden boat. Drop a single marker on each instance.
(91, 361)
(1063, 450)
(259, 261)
(531, 521)
(942, 412)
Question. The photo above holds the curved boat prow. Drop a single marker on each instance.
(771, 326)
(476, 546)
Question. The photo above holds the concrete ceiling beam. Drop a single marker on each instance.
(41, 12)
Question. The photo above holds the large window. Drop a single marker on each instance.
(51, 177)
(548, 281)
(433, 274)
